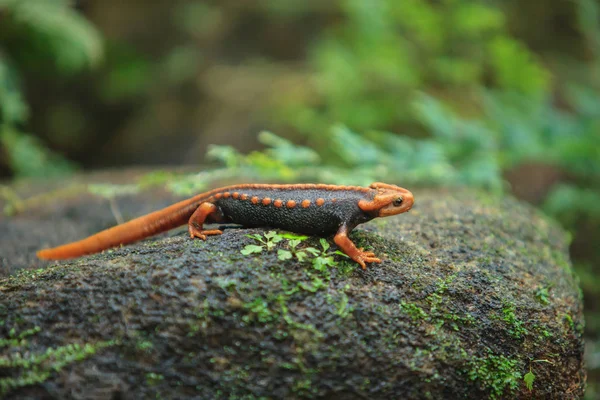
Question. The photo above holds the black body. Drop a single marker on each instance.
(340, 207)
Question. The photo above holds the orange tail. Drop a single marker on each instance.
(131, 231)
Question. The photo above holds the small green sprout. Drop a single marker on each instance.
(528, 379)
(515, 325)
(321, 258)
(300, 254)
(542, 295)
(271, 238)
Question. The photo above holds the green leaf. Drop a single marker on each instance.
(290, 235)
(229, 156)
(324, 244)
(301, 256)
(255, 237)
(28, 157)
(287, 152)
(294, 243)
(277, 239)
(283, 255)
(350, 144)
(57, 33)
(321, 263)
(309, 288)
(13, 108)
(250, 249)
(528, 379)
(313, 251)
(515, 67)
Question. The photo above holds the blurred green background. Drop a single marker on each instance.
(500, 95)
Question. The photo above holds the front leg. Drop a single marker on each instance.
(346, 245)
(199, 217)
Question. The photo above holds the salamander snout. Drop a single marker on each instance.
(392, 199)
(402, 202)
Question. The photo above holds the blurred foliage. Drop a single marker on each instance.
(370, 67)
(49, 37)
(414, 92)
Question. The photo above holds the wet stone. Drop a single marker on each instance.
(475, 298)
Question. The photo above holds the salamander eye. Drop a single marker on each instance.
(397, 201)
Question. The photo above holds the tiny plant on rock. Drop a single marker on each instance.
(269, 241)
(320, 258)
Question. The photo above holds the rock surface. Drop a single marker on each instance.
(475, 298)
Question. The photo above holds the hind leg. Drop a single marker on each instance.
(202, 213)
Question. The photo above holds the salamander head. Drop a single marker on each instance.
(388, 200)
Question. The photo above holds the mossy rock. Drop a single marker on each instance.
(475, 298)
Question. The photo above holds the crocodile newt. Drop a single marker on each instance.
(316, 209)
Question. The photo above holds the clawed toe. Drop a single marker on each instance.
(367, 254)
(200, 234)
(372, 259)
(367, 257)
(197, 235)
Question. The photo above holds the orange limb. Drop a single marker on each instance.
(346, 245)
(204, 211)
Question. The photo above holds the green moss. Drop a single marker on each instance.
(435, 311)
(20, 339)
(259, 310)
(516, 327)
(542, 294)
(343, 309)
(496, 374)
(36, 368)
(153, 379)
(414, 311)
(297, 325)
(542, 331)
(145, 346)
(569, 320)
(302, 386)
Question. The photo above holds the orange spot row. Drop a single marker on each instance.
(266, 201)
